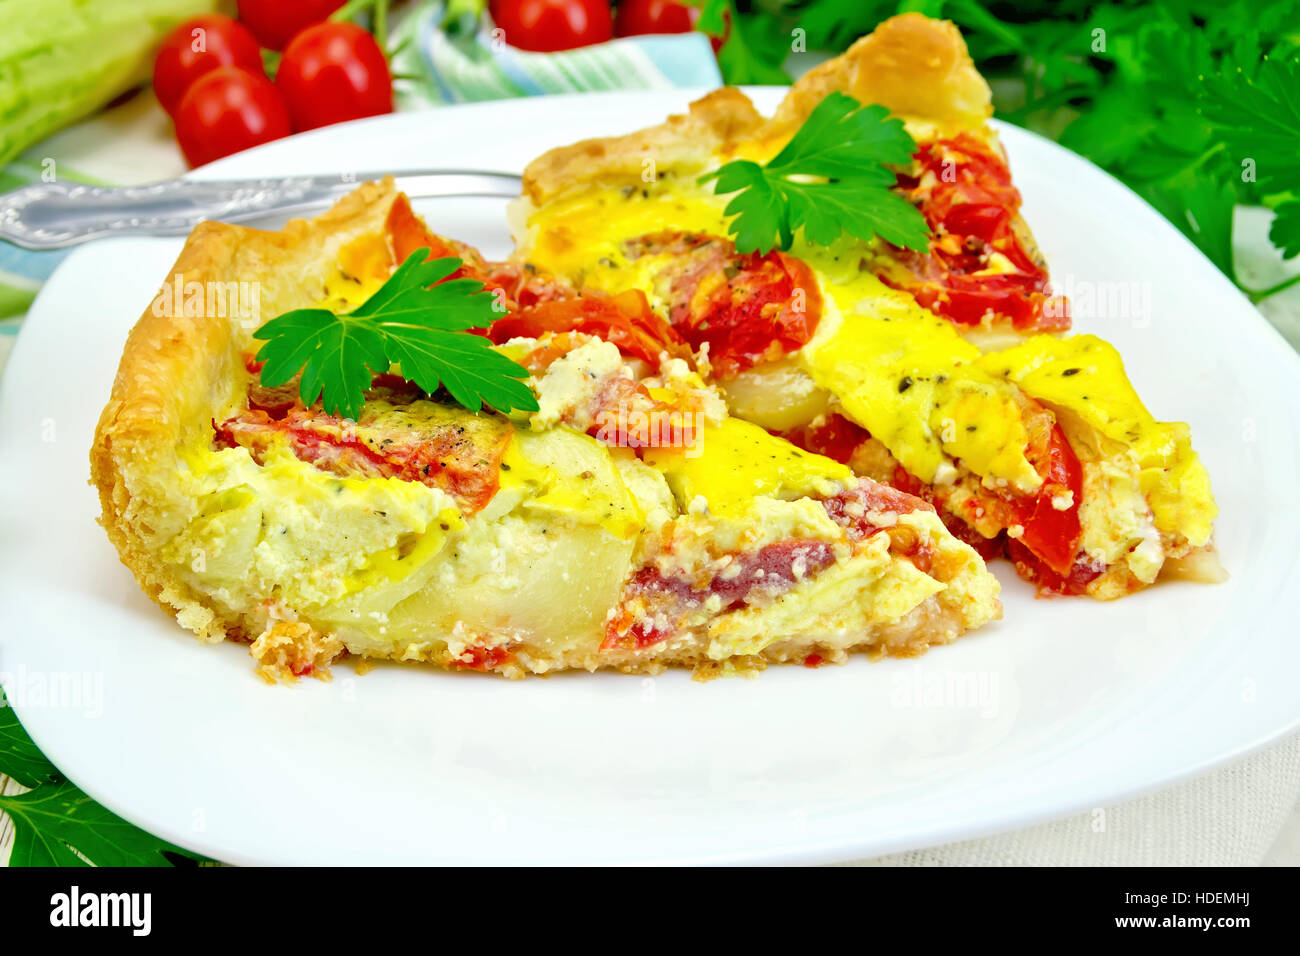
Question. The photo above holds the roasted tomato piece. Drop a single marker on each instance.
(516, 285)
(1050, 519)
(523, 286)
(831, 435)
(476, 657)
(978, 267)
(746, 308)
(1034, 570)
(626, 320)
(407, 232)
(394, 438)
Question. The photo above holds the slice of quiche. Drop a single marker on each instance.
(630, 522)
(946, 373)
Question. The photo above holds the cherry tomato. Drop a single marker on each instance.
(333, 72)
(199, 46)
(545, 26)
(226, 110)
(635, 17)
(276, 22)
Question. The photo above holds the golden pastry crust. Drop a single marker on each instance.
(177, 367)
(916, 67)
(683, 143)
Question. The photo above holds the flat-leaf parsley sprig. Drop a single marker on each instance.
(841, 157)
(411, 321)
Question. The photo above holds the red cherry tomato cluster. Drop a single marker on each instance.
(545, 26)
(209, 76)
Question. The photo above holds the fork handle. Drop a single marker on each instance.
(58, 214)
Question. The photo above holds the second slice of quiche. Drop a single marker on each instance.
(944, 368)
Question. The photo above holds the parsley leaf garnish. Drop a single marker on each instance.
(56, 824)
(410, 321)
(832, 177)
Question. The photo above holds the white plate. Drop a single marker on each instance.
(1064, 706)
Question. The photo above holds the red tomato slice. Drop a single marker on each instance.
(408, 232)
(964, 190)
(747, 309)
(831, 435)
(516, 286)
(625, 319)
(1051, 533)
(770, 308)
(1034, 570)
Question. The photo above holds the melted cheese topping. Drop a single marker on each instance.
(735, 461)
(568, 473)
(581, 237)
(907, 377)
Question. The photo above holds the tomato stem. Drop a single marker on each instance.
(378, 18)
(350, 9)
(399, 46)
(271, 62)
(379, 27)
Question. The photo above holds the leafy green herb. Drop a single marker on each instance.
(411, 322)
(1257, 115)
(832, 177)
(55, 824)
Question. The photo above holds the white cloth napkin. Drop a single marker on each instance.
(1230, 817)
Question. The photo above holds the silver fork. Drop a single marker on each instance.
(59, 214)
